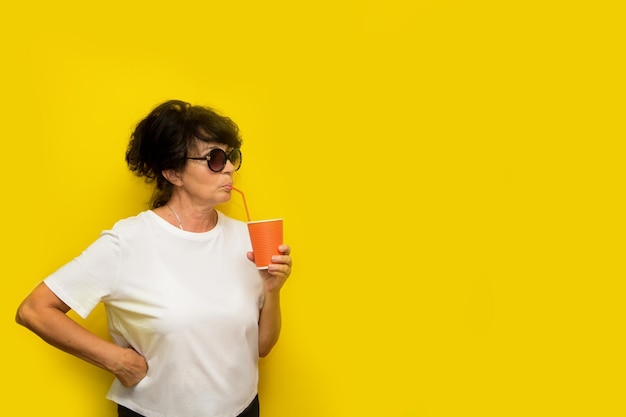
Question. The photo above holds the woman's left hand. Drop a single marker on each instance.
(276, 274)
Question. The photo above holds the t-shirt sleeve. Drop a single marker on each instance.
(83, 282)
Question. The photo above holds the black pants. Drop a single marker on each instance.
(251, 411)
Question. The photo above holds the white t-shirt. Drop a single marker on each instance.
(188, 302)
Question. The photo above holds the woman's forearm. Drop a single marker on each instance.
(269, 323)
(60, 331)
(45, 315)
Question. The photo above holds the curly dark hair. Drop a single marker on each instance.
(162, 140)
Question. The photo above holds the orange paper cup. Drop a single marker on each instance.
(266, 236)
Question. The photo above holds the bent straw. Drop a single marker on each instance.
(244, 202)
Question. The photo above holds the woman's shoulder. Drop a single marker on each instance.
(231, 224)
(139, 220)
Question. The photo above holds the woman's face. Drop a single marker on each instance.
(201, 183)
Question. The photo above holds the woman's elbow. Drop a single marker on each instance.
(266, 347)
(21, 315)
(28, 313)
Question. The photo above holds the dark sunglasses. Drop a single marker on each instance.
(217, 158)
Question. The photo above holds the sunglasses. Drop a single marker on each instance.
(217, 158)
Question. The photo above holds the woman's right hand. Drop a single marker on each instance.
(132, 367)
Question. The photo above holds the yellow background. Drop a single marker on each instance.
(451, 175)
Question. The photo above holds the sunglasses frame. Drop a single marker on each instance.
(227, 156)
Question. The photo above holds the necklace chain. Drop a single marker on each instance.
(180, 224)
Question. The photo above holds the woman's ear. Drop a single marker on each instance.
(173, 176)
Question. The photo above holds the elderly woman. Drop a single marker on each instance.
(188, 312)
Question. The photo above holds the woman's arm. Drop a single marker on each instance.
(45, 314)
(269, 323)
(270, 319)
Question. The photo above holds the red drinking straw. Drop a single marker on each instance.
(244, 202)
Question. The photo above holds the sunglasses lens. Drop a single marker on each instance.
(217, 160)
(235, 158)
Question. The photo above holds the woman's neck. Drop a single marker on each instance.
(188, 218)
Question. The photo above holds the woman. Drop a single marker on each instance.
(188, 312)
